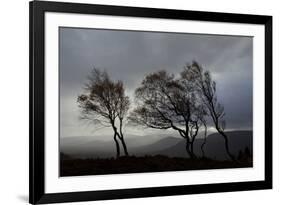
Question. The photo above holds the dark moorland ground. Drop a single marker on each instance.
(133, 164)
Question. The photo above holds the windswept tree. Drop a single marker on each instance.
(208, 92)
(104, 102)
(200, 113)
(122, 111)
(163, 102)
(204, 138)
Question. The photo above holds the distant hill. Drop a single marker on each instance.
(214, 147)
(85, 147)
(156, 147)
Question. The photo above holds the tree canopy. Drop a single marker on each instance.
(166, 102)
(104, 102)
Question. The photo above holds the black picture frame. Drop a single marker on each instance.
(37, 194)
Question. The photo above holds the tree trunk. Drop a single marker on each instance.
(193, 136)
(202, 149)
(117, 146)
(204, 142)
(115, 138)
(226, 144)
(121, 137)
(192, 150)
(187, 147)
(124, 146)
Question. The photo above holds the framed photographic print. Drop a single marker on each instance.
(140, 102)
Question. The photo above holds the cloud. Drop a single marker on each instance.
(129, 55)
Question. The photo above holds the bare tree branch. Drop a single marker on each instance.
(104, 102)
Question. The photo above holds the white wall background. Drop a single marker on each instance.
(14, 100)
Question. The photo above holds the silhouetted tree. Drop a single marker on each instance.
(207, 87)
(204, 138)
(122, 111)
(201, 112)
(104, 102)
(245, 155)
(165, 102)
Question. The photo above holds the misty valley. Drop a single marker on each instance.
(85, 156)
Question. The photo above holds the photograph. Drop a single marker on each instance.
(133, 102)
(147, 101)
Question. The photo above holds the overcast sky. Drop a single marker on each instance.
(129, 55)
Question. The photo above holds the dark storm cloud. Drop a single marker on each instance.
(128, 56)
